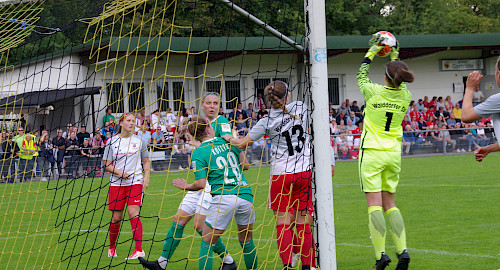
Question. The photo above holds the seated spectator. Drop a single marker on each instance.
(425, 114)
(432, 103)
(437, 139)
(405, 121)
(241, 124)
(341, 116)
(334, 128)
(145, 135)
(440, 121)
(107, 128)
(420, 106)
(457, 111)
(483, 140)
(460, 136)
(414, 113)
(426, 102)
(356, 110)
(471, 139)
(221, 111)
(344, 109)
(342, 148)
(411, 139)
(442, 112)
(331, 115)
(451, 121)
(108, 136)
(432, 110)
(262, 112)
(447, 137)
(353, 118)
(448, 104)
(171, 121)
(431, 122)
(350, 126)
(357, 135)
(477, 96)
(489, 131)
(342, 127)
(440, 103)
(414, 123)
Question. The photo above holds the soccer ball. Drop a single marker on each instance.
(388, 42)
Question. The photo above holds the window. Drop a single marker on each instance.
(232, 93)
(178, 95)
(213, 86)
(162, 96)
(115, 97)
(135, 96)
(334, 91)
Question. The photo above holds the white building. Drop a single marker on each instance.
(77, 85)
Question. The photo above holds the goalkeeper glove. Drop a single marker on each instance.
(394, 54)
(374, 46)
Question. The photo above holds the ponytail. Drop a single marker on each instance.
(397, 73)
(197, 127)
(275, 94)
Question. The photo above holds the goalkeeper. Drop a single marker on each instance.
(380, 156)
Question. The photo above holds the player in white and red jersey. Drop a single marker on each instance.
(290, 188)
(127, 159)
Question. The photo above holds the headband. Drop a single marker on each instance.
(387, 74)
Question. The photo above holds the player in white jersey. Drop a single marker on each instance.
(490, 107)
(195, 204)
(127, 159)
(287, 126)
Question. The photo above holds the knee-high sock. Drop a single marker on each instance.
(137, 232)
(397, 226)
(220, 249)
(250, 254)
(205, 260)
(285, 241)
(376, 224)
(114, 230)
(296, 243)
(172, 240)
(306, 252)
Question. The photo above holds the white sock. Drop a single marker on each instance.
(228, 259)
(162, 261)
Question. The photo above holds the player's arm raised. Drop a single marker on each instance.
(181, 183)
(468, 113)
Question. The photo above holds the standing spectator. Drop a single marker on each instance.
(193, 111)
(27, 156)
(72, 155)
(139, 120)
(259, 101)
(440, 103)
(45, 160)
(19, 138)
(344, 109)
(232, 114)
(10, 149)
(221, 111)
(83, 134)
(240, 110)
(97, 144)
(420, 105)
(262, 112)
(155, 121)
(477, 96)
(85, 157)
(59, 144)
(108, 117)
(353, 118)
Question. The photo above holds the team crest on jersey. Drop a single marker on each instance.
(226, 128)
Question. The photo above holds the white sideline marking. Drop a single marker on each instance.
(418, 250)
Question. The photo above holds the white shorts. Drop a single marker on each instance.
(196, 202)
(225, 207)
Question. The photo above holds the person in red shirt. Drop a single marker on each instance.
(426, 102)
(406, 121)
(433, 102)
(414, 113)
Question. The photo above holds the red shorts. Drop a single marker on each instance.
(291, 191)
(119, 195)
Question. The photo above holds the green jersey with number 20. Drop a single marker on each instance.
(383, 114)
(218, 162)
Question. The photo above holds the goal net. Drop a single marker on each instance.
(74, 67)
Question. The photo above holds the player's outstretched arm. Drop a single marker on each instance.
(181, 183)
(468, 113)
(482, 152)
(240, 143)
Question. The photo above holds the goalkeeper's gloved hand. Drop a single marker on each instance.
(375, 48)
(394, 54)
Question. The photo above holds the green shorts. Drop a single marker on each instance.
(379, 170)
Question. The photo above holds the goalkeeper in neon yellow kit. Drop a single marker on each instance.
(380, 157)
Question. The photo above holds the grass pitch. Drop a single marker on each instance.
(449, 203)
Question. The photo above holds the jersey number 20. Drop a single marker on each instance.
(235, 167)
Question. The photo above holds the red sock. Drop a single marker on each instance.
(285, 242)
(296, 243)
(307, 253)
(114, 230)
(137, 232)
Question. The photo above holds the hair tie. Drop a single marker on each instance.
(387, 74)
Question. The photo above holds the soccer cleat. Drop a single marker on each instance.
(228, 266)
(288, 267)
(403, 260)
(383, 262)
(112, 252)
(151, 265)
(295, 259)
(136, 255)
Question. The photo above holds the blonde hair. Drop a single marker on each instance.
(274, 95)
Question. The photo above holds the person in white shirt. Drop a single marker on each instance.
(477, 96)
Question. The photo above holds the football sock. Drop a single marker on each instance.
(376, 224)
(296, 243)
(137, 232)
(205, 260)
(220, 249)
(114, 230)
(285, 241)
(304, 233)
(397, 226)
(172, 240)
(250, 254)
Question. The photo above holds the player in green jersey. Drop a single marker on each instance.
(380, 157)
(195, 205)
(219, 163)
